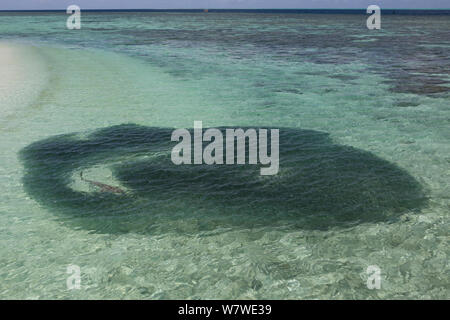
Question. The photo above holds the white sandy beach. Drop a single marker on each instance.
(22, 77)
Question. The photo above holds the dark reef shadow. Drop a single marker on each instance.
(320, 185)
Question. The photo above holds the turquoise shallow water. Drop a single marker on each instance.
(364, 156)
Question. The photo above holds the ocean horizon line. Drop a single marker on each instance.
(435, 11)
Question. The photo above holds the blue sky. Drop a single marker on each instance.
(173, 4)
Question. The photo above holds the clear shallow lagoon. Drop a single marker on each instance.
(364, 166)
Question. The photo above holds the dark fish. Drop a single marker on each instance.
(103, 187)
